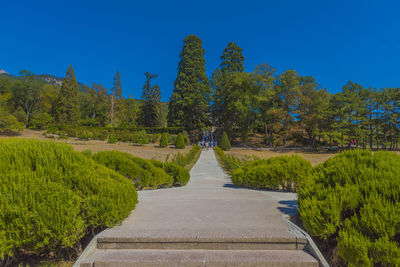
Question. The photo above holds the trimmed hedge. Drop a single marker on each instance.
(51, 196)
(354, 197)
(180, 141)
(224, 144)
(229, 163)
(187, 161)
(143, 173)
(164, 140)
(180, 175)
(284, 172)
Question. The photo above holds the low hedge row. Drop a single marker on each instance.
(187, 161)
(354, 198)
(51, 196)
(277, 173)
(180, 175)
(229, 163)
(144, 174)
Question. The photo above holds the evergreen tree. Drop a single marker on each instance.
(232, 58)
(180, 141)
(99, 103)
(164, 140)
(116, 99)
(151, 112)
(67, 108)
(224, 144)
(189, 103)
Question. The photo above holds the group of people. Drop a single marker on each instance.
(207, 144)
(208, 139)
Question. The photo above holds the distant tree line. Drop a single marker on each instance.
(286, 108)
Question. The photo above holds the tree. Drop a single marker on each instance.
(164, 140)
(116, 98)
(8, 123)
(67, 107)
(232, 59)
(189, 103)
(224, 144)
(180, 141)
(150, 110)
(98, 103)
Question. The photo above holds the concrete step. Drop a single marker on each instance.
(243, 243)
(236, 258)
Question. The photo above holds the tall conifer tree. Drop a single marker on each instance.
(116, 98)
(232, 58)
(67, 108)
(189, 103)
(150, 111)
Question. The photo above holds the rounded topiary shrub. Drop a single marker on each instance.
(354, 198)
(143, 173)
(180, 141)
(278, 173)
(51, 196)
(224, 143)
(180, 174)
(164, 140)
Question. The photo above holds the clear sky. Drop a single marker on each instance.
(334, 41)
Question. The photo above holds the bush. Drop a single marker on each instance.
(51, 196)
(187, 161)
(224, 143)
(40, 120)
(9, 124)
(180, 141)
(354, 198)
(85, 135)
(229, 163)
(284, 172)
(112, 139)
(139, 138)
(143, 173)
(164, 140)
(180, 175)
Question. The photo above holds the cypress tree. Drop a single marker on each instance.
(224, 144)
(164, 140)
(189, 103)
(67, 108)
(116, 97)
(150, 110)
(180, 141)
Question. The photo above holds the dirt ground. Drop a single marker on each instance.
(314, 157)
(149, 151)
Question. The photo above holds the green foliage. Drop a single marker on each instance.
(67, 108)
(164, 140)
(85, 135)
(228, 162)
(143, 173)
(151, 110)
(180, 175)
(9, 124)
(354, 197)
(224, 143)
(187, 161)
(180, 141)
(51, 196)
(40, 120)
(284, 172)
(189, 103)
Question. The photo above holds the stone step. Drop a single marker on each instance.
(175, 243)
(235, 258)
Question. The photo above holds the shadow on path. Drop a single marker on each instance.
(290, 209)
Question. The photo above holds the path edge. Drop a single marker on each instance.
(90, 249)
(311, 246)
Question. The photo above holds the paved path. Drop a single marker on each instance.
(209, 213)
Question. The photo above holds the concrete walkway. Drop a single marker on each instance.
(208, 221)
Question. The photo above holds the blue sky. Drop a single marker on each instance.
(334, 41)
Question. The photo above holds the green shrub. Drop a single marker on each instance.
(85, 135)
(186, 137)
(154, 138)
(354, 197)
(143, 173)
(40, 120)
(180, 174)
(180, 141)
(51, 196)
(112, 139)
(9, 124)
(284, 172)
(187, 161)
(164, 140)
(140, 138)
(224, 143)
(229, 163)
